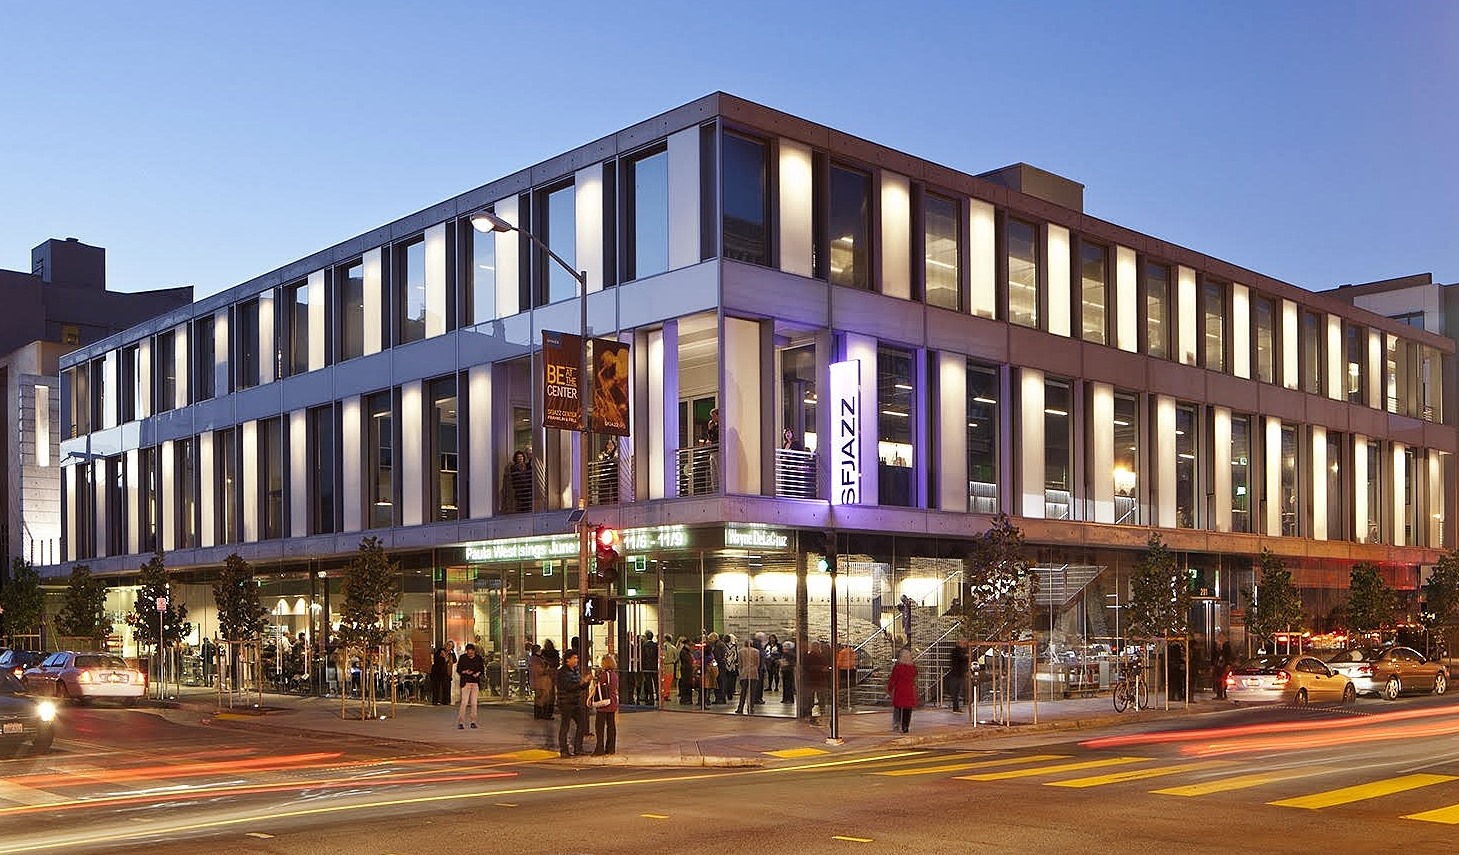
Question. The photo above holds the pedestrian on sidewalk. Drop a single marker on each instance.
(440, 678)
(541, 678)
(470, 666)
(902, 687)
(1221, 661)
(749, 671)
(957, 673)
(605, 708)
(817, 673)
(571, 705)
(451, 656)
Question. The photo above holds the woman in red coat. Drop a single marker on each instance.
(902, 686)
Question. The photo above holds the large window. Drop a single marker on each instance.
(1187, 514)
(410, 291)
(78, 382)
(296, 327)
(185, 476)
(648, 215)
(272, 465)
(350, 295)
(746, 200)
(1241, 473)
(227, 485)
(1023, 273)
(1058, 450)
(1290, 499)
(481, 295)
(1314, 337)
(982, 400)
(1264, 338)
(850, 227)
(380, 459)
(1355, 377)
(164, 370)
(1157, 310)
(148, 506)
(323, 442)
(1337, 503)
(1094, 290)
(560, 232)
(1412, 534)
(1126, 436)
(245, 345)
(896, 416)
(1213, 325)
(204, 370)
(132, 395)
(1374, 527)
(446, 451)
(941, 226)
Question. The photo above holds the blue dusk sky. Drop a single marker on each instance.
(205, 143)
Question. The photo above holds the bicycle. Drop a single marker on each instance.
(1132, 688)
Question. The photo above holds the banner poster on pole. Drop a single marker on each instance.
(562, 381)
(611, 367)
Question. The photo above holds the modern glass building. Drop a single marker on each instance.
(826, 334)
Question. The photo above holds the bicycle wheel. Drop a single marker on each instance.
(1142, 695)
(1122, 696)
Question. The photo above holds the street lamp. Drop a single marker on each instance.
(487, 221)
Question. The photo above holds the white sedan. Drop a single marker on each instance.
(85, 676)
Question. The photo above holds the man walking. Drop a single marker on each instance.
(470, 666)
(572, 705)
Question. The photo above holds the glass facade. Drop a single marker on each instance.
(350, 290)
(648, 207)
(1355, 375)
(1094, 290)
(1187, 514)
(1023, 273)
(1241, 473)
(296, 327)
(204, 385)
(745, 190)
(1156, 281)
(185, 470)
(272, 466)
(896, 418)
(229, 525)
(324, 452)
(1336, 502)
(850, 227)
(982, 398)
(1314, 337)
(380, 458)
(410, 301)
(1058, 450)
(481, 296)
(445, 451)
(1291, 495)
(1264, 338)
(942, 250)
(1213, 325)
(559, 231)
(1126, 435)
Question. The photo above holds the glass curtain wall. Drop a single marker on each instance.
(1094, 279)
(1058, 450)
(648, 206)
(896, 418)
(272, 462)
(186, 470)
(1126, 458)
(481, 296)
(850, 227)
(1375, 528)
(204, 383)
(1023, 273)
(1264, 320)
(225, 451)
(1241, 473)
(410, 297)
(1337, 503)
(942, 250)
(296, 308)
(795, 469)
(1186, 488)
(445, 451)
(745, 191)
(350, 294)
(1213, 324)
(982, 398)
(380, 458)
(1314, 334)
(1157, 310)
(1355, 378)
(559, 221)
(1291, 500)
(322, 461)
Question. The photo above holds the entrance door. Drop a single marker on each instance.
(638, 642)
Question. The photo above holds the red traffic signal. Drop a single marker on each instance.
(608, 544)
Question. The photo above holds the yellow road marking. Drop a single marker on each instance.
(654, 815)
(260, 835)
(1447, 815)
(1239, 782)
(851, 839)
(529, 754)
(506, 804)
(1132, 775)
(789, 753)
(29, 795)
(1052, 770)
(981, 764)
(1362, 792)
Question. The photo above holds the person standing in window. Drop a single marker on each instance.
(517, 485)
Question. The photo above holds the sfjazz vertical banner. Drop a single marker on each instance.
(846, 432)
(562, 381)
(611, 365)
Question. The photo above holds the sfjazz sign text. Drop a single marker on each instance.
(846, 432)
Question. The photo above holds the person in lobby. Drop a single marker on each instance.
(749, 671)
(688, 674)
(787, 671)
(648, 679)
(572, 705)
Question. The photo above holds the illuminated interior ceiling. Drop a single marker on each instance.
(1060, 584)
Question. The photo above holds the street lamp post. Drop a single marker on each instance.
(487, 221)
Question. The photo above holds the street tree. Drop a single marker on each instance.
(1273, 605)
(1160, 594)
(997, 602)
(1441, 594)
(154, 583)
(372, 593)
(22, 601)
(83, 608)
(1371, 603)
(241, 614)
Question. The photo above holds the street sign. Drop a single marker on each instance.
(161, 604)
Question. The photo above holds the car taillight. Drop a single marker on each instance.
(1365, 671)
(1230, 680)
(1283, 678)
(17, 671)
(83, 677)
(138, 677)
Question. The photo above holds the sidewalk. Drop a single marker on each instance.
(649, 737)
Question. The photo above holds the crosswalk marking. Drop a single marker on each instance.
(1053, 770)
(22, 794)
(791, 753)
(1132, 775)
(1362, 792)
(1238, 782)
(962, 767)
(1447, 815)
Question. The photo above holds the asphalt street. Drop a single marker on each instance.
(1250, 780)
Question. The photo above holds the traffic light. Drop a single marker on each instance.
(608, 543)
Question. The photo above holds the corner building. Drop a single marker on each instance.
(895, 350)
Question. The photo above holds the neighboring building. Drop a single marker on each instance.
(62, 304)
(896, 350)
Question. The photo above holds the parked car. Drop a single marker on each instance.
(24, 717)
(16, 661)
(1297, 679)
(1390, 671)
(86, 676)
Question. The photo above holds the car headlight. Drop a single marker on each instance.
(46, 710)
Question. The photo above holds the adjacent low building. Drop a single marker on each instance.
(826, 334)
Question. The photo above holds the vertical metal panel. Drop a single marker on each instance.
(983, 259)
(481, 477)
(1100, 420)
(896, 235)
(1221, 467)
(508, 269)
(588, 234)
(412, 463)
(1127, 300)
(207, 490)
(952, 433)
(179, 361)
(684, 186)
(1164, 459)
(1058, 278)
(351, 459)
(1186, 333)
(1030, 450)
(250, 473)
(1318, 484)
(222, 384)
(1362, 514)
(299, 455)
(68, 485)
(1336, 388)
(268, 342)
(318, 321)
(1239, 339)
(1272, 457)
(168, 524)
(376, 310)
(1395, 492)
(1290, 369)
(133, 534)
(796, 203)
(435, 280)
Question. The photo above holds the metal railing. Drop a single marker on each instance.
(795, 473)
(698, 470)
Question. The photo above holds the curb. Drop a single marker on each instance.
(680, 760)
(989, 731)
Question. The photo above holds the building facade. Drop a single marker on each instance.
(826, 334)
(61, 304)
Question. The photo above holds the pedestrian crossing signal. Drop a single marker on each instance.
(597, 609)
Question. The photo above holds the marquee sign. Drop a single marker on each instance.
(845, 446)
